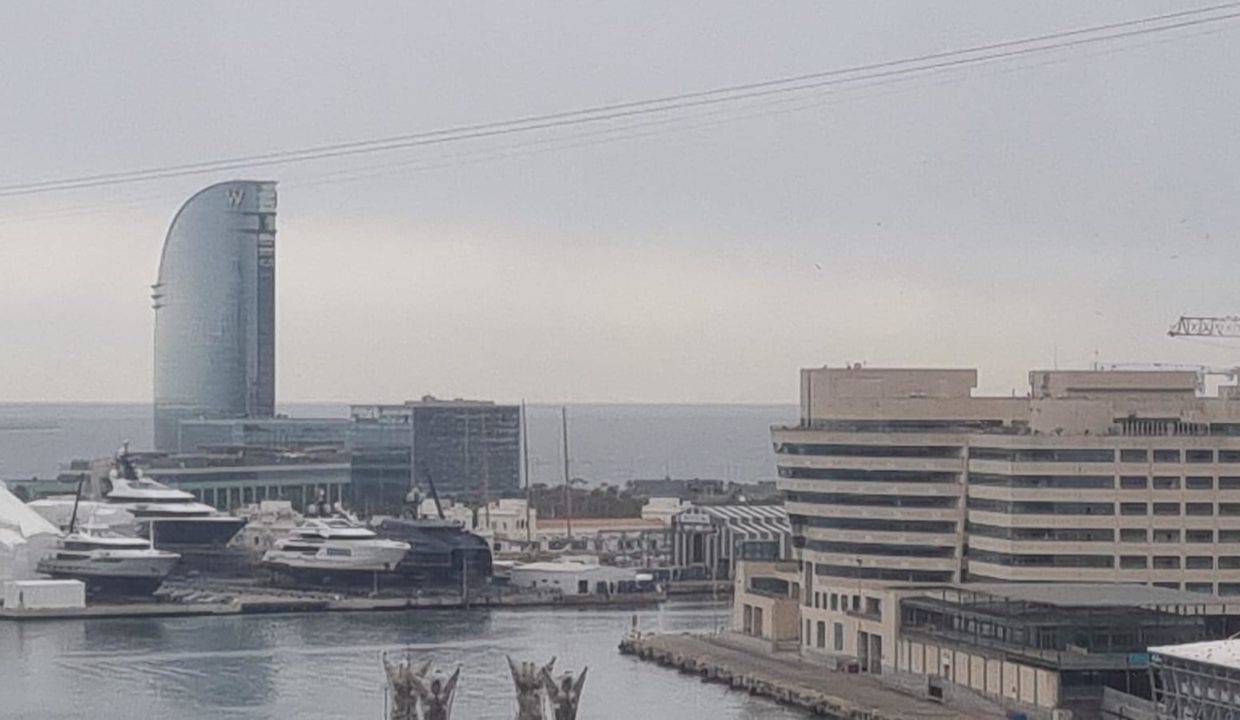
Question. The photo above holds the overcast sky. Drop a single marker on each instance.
(1004, 217)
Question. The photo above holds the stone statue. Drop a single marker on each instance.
(564, 693)
(401, 679)
(527, 677)
(436, 695)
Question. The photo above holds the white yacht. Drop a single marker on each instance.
(109, 562)
(166, 516)
(330, 546)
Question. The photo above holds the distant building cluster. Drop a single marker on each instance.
(216, 432)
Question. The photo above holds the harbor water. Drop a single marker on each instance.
(321, 666)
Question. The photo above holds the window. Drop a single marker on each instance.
(1131, 508)
(1198, 508)
(838, 636)
(1133, 562)
(1168, 585)
(1068, 482)
(1229, 456)
(1229, 588)
(818, 600)
(1198, 482)
(1229, 562)
(842, 523)
(1134, 482)
(1200, 587)
(1138, 535)
(1167, 535)
(1166, 508)
(1040, 507)
(1043, 533)
(1199, 562)
(1229, 508)
(1229, 536)
(1166, 456)
(822, 634)
(1042, 455)
(1166, 562)
(1166, 482)
(1199, 536)
(835, 601)
(1199, 456)
(1134, 455)
(1229, 482)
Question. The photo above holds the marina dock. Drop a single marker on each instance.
(292, 602)
(786, 679)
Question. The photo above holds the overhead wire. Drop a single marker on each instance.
(606, 113)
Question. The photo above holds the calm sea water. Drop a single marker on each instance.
(608, 443)
(326, 666)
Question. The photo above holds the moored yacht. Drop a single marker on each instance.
(166, 516)
(324, 548)
(108, 562)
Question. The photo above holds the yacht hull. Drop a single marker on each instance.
(174, 532)
(125, 578)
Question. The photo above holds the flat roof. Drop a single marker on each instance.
(1213, 652)
(1090, 594)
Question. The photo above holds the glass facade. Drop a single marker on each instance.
(214, 306)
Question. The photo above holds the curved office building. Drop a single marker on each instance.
(215, 309)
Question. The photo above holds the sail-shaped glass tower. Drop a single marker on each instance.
(215, 309)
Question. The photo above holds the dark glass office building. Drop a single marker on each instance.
(468, 448)
(215, 309)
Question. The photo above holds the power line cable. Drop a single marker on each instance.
(855, 74)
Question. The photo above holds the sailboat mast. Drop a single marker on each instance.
(486, 474)
(525, 467)
(568, 482)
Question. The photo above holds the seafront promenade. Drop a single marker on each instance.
(785, 678)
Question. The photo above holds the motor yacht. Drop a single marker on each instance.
(166, 516)
(322, 548)
(109, 562)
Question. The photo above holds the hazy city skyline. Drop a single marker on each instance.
(1052, 209)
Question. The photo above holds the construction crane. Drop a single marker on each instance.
(1232, 373)
(1186, 326)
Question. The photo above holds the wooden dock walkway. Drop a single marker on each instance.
(783, 677)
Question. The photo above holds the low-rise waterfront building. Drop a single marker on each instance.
(624, 540)
(709, 537)
(573, 578)
(767, 595)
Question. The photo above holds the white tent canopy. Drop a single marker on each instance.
(24, 537)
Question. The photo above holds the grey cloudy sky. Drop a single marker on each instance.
(997, 217)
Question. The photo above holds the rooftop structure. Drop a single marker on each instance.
(1197, 681)
(214, 302)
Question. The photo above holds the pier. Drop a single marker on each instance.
(786, 679)
(256, 602)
